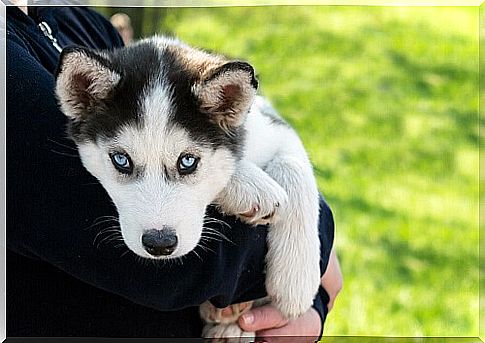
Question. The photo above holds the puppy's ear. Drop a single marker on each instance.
(84, 79)
(227, 94)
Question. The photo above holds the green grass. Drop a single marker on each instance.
(386, 102)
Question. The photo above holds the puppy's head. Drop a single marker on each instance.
(160, 125)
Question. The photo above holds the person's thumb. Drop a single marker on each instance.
(261, 318)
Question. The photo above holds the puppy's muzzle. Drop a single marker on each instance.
(159, 242)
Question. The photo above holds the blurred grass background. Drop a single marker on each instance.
(386, 102)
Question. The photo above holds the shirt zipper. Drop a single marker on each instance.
(46, 30)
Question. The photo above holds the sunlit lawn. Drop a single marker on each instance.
(386, 101)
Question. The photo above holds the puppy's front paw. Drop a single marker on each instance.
(252, 195)
(227, 333)
(260, 202)
(211, 314)
(258, 216)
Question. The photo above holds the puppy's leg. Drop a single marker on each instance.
(293, 259)
(211, 314)
(227, 333)
(252, 195)
(221, 324)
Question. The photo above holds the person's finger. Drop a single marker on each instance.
(260, 318)
(303, 329)
(288, 339)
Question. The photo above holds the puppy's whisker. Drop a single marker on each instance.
(208, 230)
(204, 247)
(62, 145)
(210, 238)
(63, 153)
(210, 233)
(107, 230)
(213, 236)
(196, 254)
(181, 259)
(101, 220)
(216, 221)
(110, 238)
(105, 217)
(110, 231)
(106, 240)
(125, 253)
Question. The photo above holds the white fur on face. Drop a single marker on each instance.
(153, 199)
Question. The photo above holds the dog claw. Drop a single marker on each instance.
(269, 216)
(227, 315)
(255, 217)
(252, 212)
(221, 323)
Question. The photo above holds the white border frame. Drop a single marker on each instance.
(3, 111)
(178, 3)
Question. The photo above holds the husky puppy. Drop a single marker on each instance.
(161, 124)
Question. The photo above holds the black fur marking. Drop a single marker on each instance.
(238, 65)
(188, 114)
(139, 67)
(166, 173)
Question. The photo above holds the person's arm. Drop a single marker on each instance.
(332, 280)
(52, 202)
(268, 322)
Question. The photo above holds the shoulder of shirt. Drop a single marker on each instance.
(90, 19)
(14, 42)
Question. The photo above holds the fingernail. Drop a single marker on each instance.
(248, 318)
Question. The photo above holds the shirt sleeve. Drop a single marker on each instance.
(57, 212)
(52, 202)
(326, 234)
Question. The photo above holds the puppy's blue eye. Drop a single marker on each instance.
(187, 161)
(187, 164)
(122, 162)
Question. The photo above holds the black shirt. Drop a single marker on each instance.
(65, 277)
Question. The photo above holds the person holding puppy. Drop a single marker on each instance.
(60, 283)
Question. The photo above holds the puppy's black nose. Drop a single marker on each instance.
(159, 242)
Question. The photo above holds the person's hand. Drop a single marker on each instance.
(269, 323)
